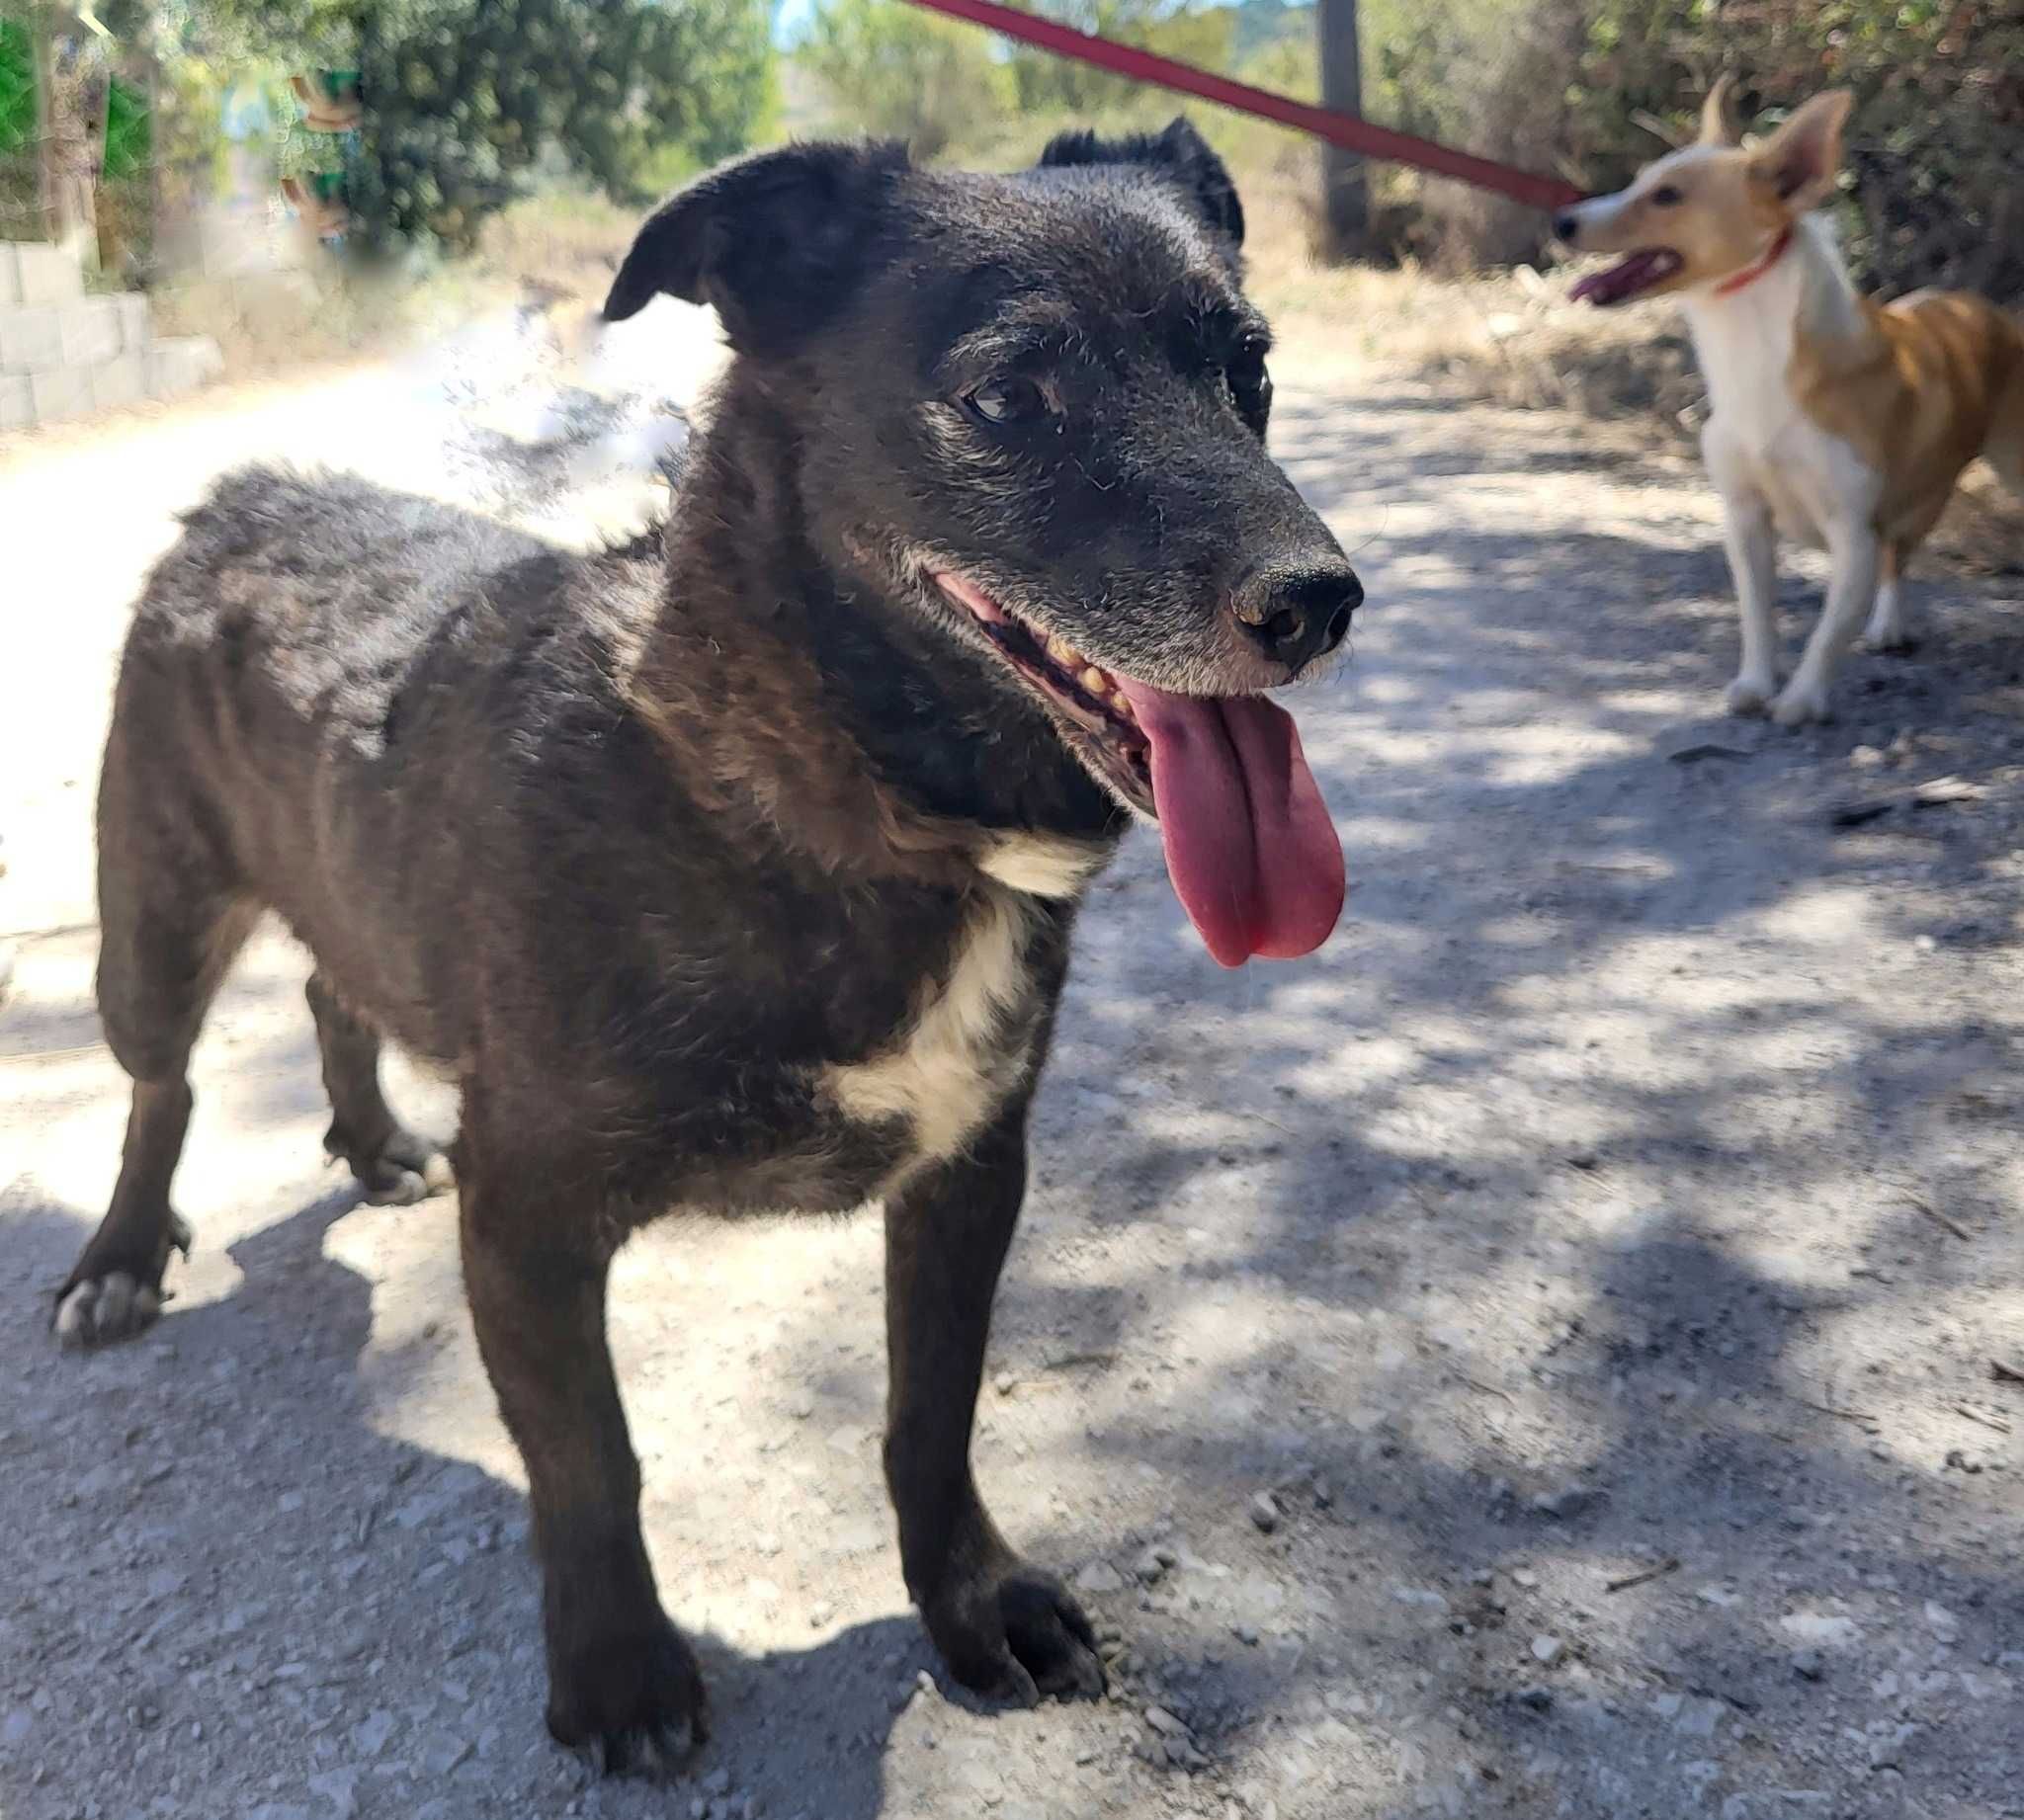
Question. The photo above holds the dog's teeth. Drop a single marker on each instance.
(1095, 681)
(1063, 652)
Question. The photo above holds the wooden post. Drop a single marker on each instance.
(1345, 191)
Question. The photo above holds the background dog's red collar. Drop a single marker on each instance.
(1750, 274)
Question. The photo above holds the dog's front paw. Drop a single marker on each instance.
(1750, 695)
(1013, 1634)
(633, 1706)
(114, 1296)
(1801, 701)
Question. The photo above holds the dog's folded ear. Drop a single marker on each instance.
(773, 242)
(1180, 153)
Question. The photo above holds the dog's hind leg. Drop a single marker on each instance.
(394, 1165)
(1007, 1628)
(171, 919)
(623, 1686)
(1889, 628)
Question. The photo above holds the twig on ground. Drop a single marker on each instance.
(1858, 1416)
(1972, 1415)
(1938, 1218)
(1670, 1565)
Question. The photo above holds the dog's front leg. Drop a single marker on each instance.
(622, 1683)
(1856, 554)
(1005, 1628)
(1753, 563)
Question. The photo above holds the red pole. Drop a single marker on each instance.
(1344, 129)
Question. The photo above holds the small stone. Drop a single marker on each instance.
(1886, 1748)
(1538, 1699)
(1567, 1501)
(1545, 1650)
(1698, 1718)
(1819, 1627)
(1808, 1664)
(1164, 1723)
(819, 1615)
(372, 1733)
(718, 1782)
(1865, 758)
(1099, 1577)
(1004, 1383)
(1265, 1512)
(1246, 1634)
(1150, 1567)
(1944, 1624)
(442, 1755)
(1524, 1577)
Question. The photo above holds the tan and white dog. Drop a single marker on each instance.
(1840, 423)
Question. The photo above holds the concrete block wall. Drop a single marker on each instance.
(66, 354)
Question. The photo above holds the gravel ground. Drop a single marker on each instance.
(1539, 1358)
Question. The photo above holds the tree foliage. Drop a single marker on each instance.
(462, 97)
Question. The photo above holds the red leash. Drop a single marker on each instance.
(1344, 129)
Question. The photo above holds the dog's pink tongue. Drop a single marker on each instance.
(1249, 844)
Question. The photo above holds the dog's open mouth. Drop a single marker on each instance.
(1628, 278)
(1106, 727)
(1250, 847)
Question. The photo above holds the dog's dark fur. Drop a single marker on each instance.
(730, 871)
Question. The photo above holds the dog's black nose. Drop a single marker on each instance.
(1296, 616)
(1566, 225)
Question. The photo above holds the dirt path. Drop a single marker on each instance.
(1597, 1256)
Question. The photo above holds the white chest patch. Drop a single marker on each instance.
(952, 1065)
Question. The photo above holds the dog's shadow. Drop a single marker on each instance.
(254, 1564)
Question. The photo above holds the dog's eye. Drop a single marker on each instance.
(1250, 385)
(1008, 400)
(1667, 196)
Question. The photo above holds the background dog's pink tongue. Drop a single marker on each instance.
(1249, 844)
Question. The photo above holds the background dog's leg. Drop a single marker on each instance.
(1889, 628)
(394, 1165)
(1005, 1628)
(622, 1684)
(1857, 555)
(1752, 564)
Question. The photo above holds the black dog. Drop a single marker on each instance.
(734, 869)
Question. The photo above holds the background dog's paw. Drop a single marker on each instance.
(1798, 705)
(634, 1706)
(1750, 695)
(1015, 1636)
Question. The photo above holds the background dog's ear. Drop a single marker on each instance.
(1717, 113)
(1180, 153)
(1801, 160)
(773, 242)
